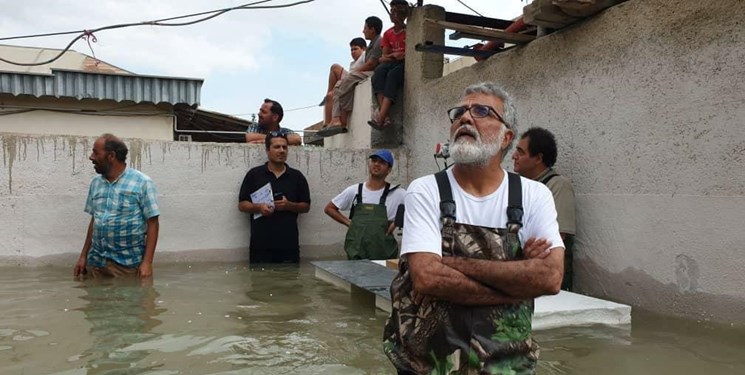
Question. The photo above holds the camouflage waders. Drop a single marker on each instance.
(367, 236)
(439, 337)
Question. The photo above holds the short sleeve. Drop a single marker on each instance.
(345, 199)
(303, 189)
(247, 187)
(89, 200)
(421, 220)
(149, 199)
(541, 220)
(395, 199)
(565, 206)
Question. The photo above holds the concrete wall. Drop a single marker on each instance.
(646, 100)
(360, 134)
(44, 181)
(145, 121)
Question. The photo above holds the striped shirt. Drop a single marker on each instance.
(120, 210)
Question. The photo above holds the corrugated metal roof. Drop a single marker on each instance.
(99, 86)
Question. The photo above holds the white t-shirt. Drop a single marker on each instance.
(422, 219)
(344, 200)
(356, 64)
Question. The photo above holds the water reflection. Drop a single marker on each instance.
(275, 313)
(121, 313)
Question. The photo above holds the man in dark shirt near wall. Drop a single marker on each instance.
(274, 234)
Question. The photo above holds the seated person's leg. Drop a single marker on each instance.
(344, 98)
(378, 81)
(336, 73)
(393, 83)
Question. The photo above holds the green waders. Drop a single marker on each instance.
(367, 236)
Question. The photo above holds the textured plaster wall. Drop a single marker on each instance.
(150, 121)
(44, 181)
(647, 101)
(358, 135)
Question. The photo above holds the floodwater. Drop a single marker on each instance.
(231, 319)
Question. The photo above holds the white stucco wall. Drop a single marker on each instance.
(44, 181)
(358, 135)
(646, 101)
(147, 120)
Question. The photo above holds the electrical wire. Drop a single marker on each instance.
(385, 7)
(286, 110)
(86, 34)
(471, 9)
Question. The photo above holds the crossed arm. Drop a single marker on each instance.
(293, 139)
(469, 281)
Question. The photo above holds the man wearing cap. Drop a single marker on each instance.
(372, 205)
(270, 115)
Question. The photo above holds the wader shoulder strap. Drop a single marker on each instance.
(548, 178)
(357, 200)
(385, 193)
(358, 197)
(514, 203)
(447, 204)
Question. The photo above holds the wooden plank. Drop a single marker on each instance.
(467, 19)
(461, 35)
(457, 35)
(584, 8)
(392, 263)
(485, 33)
(445, 50)
(544, 13)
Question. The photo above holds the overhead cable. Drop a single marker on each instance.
(471, 9)
(84, 34)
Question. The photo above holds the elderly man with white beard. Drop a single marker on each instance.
(479, 244)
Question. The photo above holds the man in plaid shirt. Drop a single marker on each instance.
(270, 115)
(123, 205)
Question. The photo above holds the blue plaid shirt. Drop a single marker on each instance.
(120, 210)
(256, 128)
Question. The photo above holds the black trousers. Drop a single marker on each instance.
(259, 255)
(388, 79)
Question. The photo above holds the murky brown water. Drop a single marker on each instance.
(229, 319)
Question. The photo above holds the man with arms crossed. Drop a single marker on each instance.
(479, 245)
(270, 115)
(123, 205)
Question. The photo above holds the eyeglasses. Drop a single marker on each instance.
(476, 110)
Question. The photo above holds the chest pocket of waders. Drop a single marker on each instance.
(367, 237)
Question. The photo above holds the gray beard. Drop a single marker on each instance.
(477, 152)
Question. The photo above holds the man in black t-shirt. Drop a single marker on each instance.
(274, 232)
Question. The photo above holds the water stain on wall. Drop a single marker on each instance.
(9, 154)
(136, 150)
(223, 154)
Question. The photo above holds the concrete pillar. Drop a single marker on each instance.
(422, 66)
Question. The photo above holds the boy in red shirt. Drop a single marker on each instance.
(389, 75)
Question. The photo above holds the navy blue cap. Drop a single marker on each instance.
(386, 155)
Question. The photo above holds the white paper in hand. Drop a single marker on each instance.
(263, 195)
